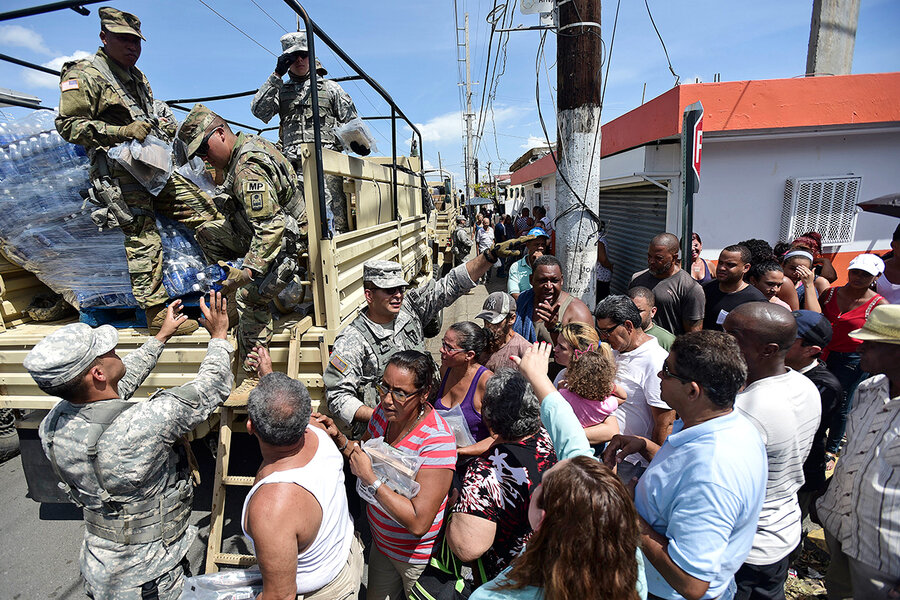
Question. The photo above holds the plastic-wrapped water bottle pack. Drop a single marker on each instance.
(44, 228)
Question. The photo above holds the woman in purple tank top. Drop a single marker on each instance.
(463, 381)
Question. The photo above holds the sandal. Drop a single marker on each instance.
(830, 462)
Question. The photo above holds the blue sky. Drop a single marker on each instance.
(410, 48)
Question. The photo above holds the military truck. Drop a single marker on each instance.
(443, 220)
(388, 218)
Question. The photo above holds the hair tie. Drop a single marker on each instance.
(802, 253)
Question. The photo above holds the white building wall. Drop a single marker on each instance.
(742, 182)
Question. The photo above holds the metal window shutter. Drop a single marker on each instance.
(633, 216)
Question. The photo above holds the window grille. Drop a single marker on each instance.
(823, 204)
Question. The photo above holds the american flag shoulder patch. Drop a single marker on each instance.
(338, 363)
(69, 84)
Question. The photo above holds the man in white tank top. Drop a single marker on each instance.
(295, 515)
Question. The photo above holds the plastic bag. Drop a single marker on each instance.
(357, 131)
(235, 584)
(398, 466)
(150, 161)
(195, 171)
(458, 425)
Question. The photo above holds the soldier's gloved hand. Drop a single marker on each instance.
(284, 63)
(236, 278)
(360, 149)
(509, 249)
(136, 130)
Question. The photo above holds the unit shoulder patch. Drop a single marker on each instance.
(256, 195)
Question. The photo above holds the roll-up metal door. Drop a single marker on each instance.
(633, 216)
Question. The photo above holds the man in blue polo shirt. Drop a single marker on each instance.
(519, 278)
(700, 498)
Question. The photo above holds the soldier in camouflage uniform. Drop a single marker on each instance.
(105, 100)
(291, 101)
(461, 241)
(393, 320)
(116, 458)
(265, 219)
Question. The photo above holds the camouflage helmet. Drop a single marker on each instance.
(67, 352)
(384, 274)
(293, 42)
(116, 21)
(194, 128)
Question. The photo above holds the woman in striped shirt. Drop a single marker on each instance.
(404, 530)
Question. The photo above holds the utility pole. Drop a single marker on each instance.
(832, 36)
(578, 53)
(469, 116)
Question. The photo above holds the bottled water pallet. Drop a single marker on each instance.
(131, 316)
(120, 318)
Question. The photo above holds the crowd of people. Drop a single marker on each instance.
(672, 446)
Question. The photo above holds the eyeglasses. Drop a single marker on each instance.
(667, 372)
(608, 331)
(203, 148)
(450, 349)
(302, 54)
(398, 395)
(393, 290)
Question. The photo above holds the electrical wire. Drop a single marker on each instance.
(245, 34)
(652, 22)
(270, 16)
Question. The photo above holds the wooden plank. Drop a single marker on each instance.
(217, 512)
(235, 560)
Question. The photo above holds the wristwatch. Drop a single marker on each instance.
(373, 487)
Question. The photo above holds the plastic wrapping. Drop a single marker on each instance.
(458, 425)
(149, 162)
(195, 171)
(396, 465)
(45, 229)
(232, 584)
(357, 131)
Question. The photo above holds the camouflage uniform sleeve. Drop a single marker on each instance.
(79, 103)
(344, 109)
(344, 376)
(171, 415)
(138, 365)
(254, 188)
(427, 301)
(265, 103)
(167, 122)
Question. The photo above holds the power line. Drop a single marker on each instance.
(652, 22)
(270, 16)
(247, 35)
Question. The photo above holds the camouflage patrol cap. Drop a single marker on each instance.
(116, 21)
(65, 353)
(383, 274)
(293, 42)
(320, 70)
(194, 128)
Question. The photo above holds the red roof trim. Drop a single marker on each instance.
(763, 104)
(540, 168)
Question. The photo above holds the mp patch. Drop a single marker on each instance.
(256, 194)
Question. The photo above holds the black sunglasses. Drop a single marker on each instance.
(668, 373)
(203, 148)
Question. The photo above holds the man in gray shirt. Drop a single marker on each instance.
(679, 299)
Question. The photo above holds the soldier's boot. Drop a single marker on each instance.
(241, 393)
(156, 315)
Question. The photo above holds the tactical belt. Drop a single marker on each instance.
(167, 519)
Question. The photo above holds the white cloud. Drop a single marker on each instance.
(427, 166)
(22, 37)
(534, 142)
(38, 79)
(451, 126)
